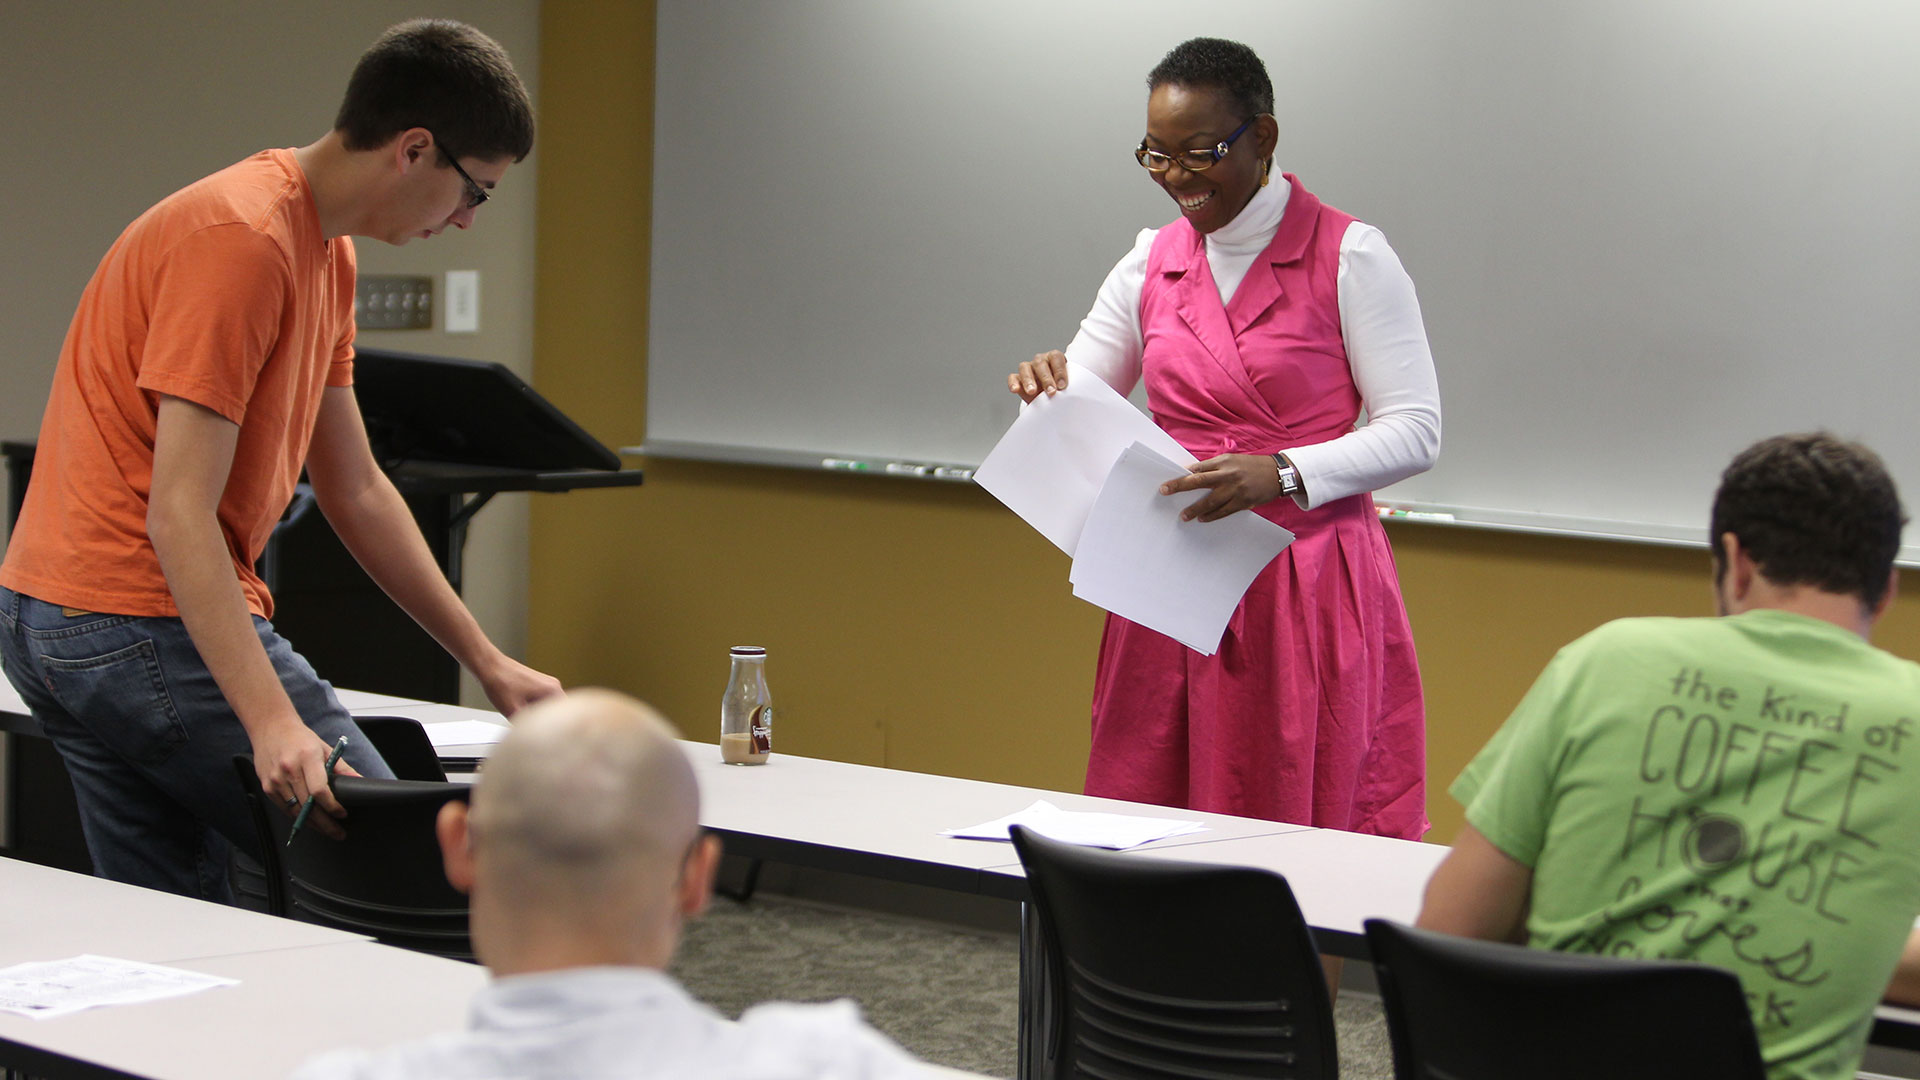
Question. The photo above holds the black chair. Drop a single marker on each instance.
(403, 741)
(1161, 969)
(1457, 1007)
(257, 886)
(385, 878)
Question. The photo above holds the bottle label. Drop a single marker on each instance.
(760, 727)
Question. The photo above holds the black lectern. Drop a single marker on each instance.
(451, 434)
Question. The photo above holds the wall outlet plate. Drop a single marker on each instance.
(393, 302)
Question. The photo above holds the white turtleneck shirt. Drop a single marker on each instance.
(1386, 344)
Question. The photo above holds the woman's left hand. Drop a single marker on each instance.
(1237, 481)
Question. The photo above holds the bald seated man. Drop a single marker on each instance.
(584, 857)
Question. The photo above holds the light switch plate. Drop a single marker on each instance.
(463, 301)
(393, 302)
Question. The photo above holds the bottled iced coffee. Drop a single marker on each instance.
(746, 711)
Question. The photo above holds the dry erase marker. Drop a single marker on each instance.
(307, 807)
(1395, 513)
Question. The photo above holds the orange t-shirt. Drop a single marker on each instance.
(224, 294)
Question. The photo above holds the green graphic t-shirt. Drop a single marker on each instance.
(1743, 791)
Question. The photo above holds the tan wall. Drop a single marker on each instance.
(908, 624)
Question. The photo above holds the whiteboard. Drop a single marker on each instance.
(1644, 233)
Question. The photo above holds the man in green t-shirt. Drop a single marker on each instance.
(1741, 790)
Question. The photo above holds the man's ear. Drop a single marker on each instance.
(412, 147)
(1739, 572)
(456, 851)
(1886, 599)
(696, 877)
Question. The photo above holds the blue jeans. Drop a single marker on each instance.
(149, 739)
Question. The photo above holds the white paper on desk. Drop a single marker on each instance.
(1138, 560)
(1115, 831)
(58, 987)
(464, 733)
(1050, 464)
(363, 700)
(431, 712)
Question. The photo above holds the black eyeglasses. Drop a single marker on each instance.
(1190, 160)
(475, 193)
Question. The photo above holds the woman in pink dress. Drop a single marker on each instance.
(1266, 325)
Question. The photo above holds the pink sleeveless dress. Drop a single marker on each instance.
(1311, 710)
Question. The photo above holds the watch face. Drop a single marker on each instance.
(1289, 476)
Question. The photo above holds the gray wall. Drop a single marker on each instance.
(112, 105)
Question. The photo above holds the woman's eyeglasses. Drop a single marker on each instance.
(1190, 160)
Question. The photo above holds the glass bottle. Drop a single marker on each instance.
(746, 710)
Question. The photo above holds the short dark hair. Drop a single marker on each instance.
(1811, 509)
(1217, 64)
(444, 76)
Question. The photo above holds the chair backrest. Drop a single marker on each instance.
(257, 886)
(403, 741)
(1163, 969)
(1457, 1007)
(386, 878)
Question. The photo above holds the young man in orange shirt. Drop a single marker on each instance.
(210, 359)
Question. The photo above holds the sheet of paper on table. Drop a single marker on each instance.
(465, 733)
(362, 700)
(447, 725)
(1115, 831)
(1137, 559)
(1049, 466)
(51, 988)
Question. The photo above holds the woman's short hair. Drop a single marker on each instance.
(1812, 509)
(1217, 64)
(444, 76)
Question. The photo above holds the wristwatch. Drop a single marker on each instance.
(1289, 476)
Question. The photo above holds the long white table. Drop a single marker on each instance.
(1339, 879)
(84, 914)
(290, 1004)
(886, 824)
(303, 988)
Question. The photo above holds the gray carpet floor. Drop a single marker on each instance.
(946, 993)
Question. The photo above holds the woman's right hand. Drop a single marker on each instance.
(1045, 373)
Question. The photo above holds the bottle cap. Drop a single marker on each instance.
(749, 650)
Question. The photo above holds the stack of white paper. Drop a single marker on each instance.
(1115, 831)
(1085, 467)
(1051, 464)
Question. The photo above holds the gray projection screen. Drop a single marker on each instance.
(1644, 232)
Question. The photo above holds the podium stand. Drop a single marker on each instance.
(450, 434)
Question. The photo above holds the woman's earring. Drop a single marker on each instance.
(1266, 173)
